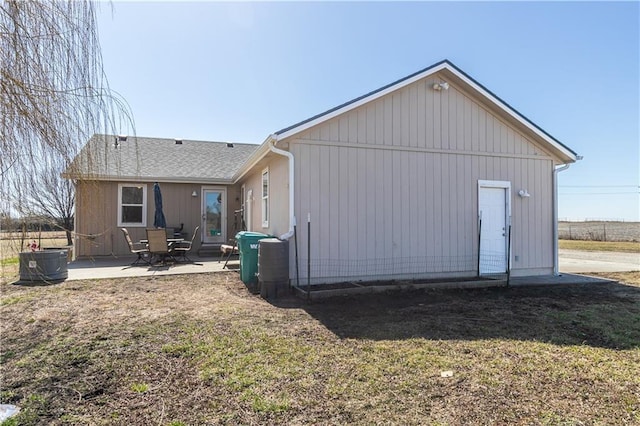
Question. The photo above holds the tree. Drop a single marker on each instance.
(47, 195)
(53, 96)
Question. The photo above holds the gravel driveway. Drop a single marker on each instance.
(578, 261)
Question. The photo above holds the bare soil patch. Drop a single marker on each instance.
(200, 349)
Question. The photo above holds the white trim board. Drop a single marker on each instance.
(439, 67)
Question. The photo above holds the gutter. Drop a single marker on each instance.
(257, 155)
(556, 170)
(272, 141)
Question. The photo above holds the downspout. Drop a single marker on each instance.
(555, 217)
(292, 218)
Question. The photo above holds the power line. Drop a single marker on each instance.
(597, 193)
(599, 186)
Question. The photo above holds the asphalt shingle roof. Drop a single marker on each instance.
(160, 159)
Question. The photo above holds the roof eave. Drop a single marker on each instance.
(255, 157)
(562, 151)
(111, 178)
(357, 102)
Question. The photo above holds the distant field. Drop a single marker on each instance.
(599, 231)
(12, 243)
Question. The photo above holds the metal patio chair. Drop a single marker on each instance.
(158, 245)
(184, 247)
(137, 248)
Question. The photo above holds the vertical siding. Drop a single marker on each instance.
(422, 205)
(97, 211)
(397, 179)
(98, 233)
(420, 117)
(278, 195)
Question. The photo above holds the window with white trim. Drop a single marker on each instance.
(265, 198)
(132, 205)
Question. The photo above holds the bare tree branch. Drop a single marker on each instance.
(54, 96)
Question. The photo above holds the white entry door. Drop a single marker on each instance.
(494, 211)
(214, 215)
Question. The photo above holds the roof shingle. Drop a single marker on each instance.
(159, 159)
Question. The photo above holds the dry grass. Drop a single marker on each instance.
(618, 246)
(629, 278)
(201, 350)
(12, 243)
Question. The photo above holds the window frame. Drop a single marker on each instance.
(265, 198)
(142, 224)
(243, 202)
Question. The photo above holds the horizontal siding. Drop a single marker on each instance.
(419, 117)
(370, 207)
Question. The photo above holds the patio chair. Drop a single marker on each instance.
(184, 247)
(228, 251)
(136, 248)
(158, 245)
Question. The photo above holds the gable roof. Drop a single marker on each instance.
(159, 159)
(460, 77)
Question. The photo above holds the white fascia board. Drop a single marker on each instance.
(513, 113)
(510, 111)
(257, 155)
(151, 179)
(361, 102)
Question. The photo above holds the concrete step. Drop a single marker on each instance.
(209, 250)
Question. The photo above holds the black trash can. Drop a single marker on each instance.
(273, 267)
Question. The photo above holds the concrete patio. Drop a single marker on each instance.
(120, 267)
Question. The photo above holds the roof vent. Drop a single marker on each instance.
(229, 145)
(118, 139)
(178, 141)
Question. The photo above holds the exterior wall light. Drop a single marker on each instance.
(524, 193)
(194, 194)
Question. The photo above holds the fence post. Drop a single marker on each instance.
(604, 228)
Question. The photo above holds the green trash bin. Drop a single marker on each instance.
(248, 248)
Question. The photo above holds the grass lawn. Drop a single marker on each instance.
(619, 246)
(200, 349)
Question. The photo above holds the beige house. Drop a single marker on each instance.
(196, 179)
(430, 176)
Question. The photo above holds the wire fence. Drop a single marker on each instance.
(599, 231)
(335, 270)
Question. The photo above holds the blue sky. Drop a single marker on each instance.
(240, 71)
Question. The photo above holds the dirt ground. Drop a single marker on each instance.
(201, 349)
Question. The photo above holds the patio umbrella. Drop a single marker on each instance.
(158, 220)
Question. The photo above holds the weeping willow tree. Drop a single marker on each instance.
(54, 96)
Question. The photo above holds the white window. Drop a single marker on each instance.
(132, 204)
(265, 198)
